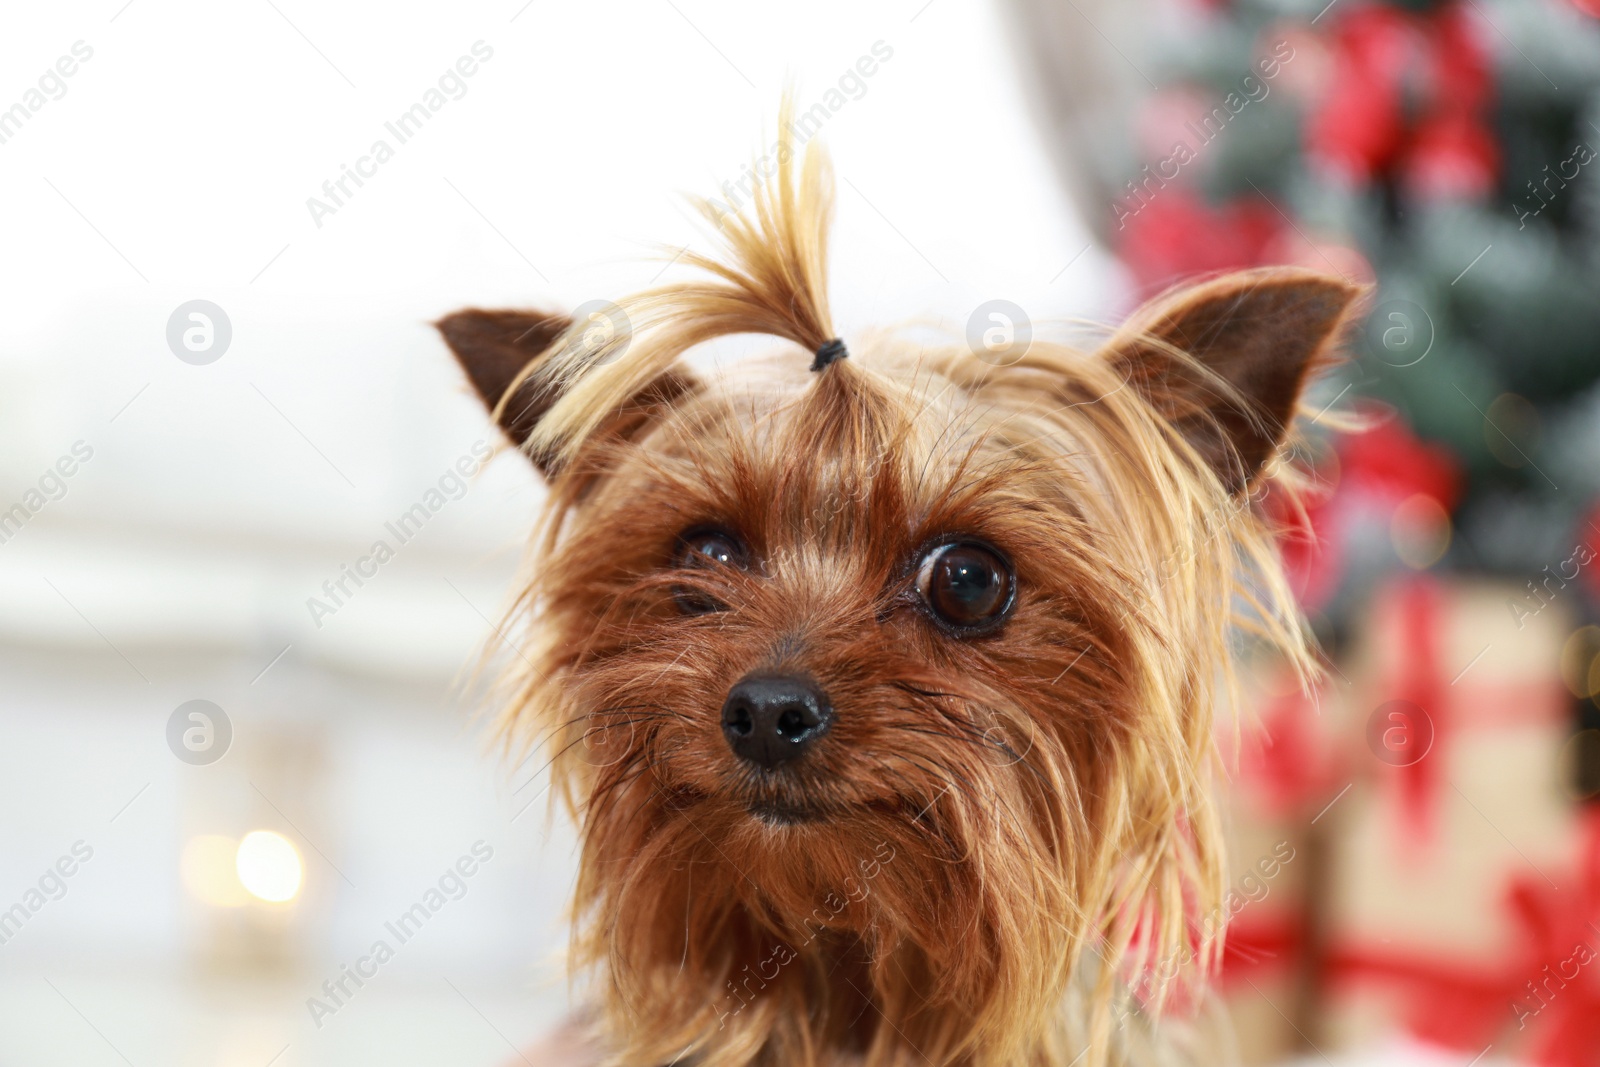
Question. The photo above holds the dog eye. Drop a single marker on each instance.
(700, 548)
(969, 586)
(705, 548)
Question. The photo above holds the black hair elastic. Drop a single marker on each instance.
(829, 352)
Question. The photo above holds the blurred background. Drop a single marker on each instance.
(239, 743)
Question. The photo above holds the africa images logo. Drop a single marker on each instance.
(451, 485)
(451, 85)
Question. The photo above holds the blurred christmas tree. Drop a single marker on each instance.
(1448, 151)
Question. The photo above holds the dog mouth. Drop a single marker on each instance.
(777, 807)
(775, 811)
(785, 813)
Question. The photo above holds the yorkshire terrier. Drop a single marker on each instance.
(881, 679)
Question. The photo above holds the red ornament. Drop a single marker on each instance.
(1453, 153)
(1173, 234)
(1388, 63)
(1461, 70)
(1453, 156)
(1358, 129)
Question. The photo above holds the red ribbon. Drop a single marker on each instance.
(1420, 680)
(1547, 997)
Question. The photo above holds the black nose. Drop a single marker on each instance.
(771, 718)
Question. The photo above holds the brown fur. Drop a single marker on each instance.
(1004, 833)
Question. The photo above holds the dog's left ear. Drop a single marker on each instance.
(493, 347)
(1263, 333)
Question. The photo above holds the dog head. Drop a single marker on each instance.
(884, 689)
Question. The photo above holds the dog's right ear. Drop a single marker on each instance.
(1226, 360)
(494, 347)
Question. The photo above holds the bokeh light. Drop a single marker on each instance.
(1580, 661)
(269, 866)
(209, 871)
(1579, 755)
(1420, 531)
(1511, 429)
